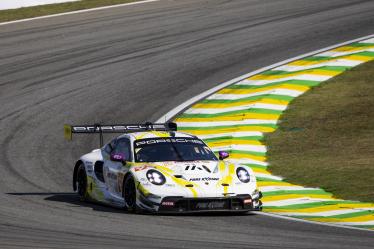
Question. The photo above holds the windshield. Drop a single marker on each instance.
(171, 149)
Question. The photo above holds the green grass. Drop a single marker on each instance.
(326, 137)
(28, 12)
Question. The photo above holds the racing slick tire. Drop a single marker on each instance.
(82, 183)
(129, 194)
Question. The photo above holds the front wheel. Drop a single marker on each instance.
(82, 183)
(129, 194)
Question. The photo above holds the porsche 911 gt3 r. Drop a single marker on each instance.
(154, 168)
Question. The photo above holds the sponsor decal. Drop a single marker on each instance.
(247, 201)
(211, 205)
(192, 167)
(206, 168)
(140, 168)
(117, 157)
(143, 142)
(196, 179)
(116, 128)
(167, 203)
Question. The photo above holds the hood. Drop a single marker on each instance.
(194, 179)
(195, 171)
(190, 171)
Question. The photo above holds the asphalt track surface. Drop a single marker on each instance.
(133, 64)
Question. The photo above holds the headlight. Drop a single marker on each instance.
(155, 177)
(243, 175)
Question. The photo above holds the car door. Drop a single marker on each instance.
(112, 168)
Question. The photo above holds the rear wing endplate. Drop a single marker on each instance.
(69, 130)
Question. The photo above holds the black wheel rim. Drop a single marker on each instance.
(130, 194)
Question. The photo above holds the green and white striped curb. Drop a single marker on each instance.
(235, 117)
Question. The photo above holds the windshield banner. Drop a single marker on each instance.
(145, 142)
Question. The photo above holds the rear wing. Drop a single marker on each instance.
(69, 130)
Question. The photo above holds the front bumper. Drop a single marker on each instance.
(239, 203)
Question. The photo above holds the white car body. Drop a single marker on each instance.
(189, 186)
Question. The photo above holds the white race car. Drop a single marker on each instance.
(154, 168)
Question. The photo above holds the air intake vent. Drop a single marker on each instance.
(98, 168)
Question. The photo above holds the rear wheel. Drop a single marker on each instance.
(82, 183)
(129, 194)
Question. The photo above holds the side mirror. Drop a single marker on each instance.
(223, 154)
(117, 157)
